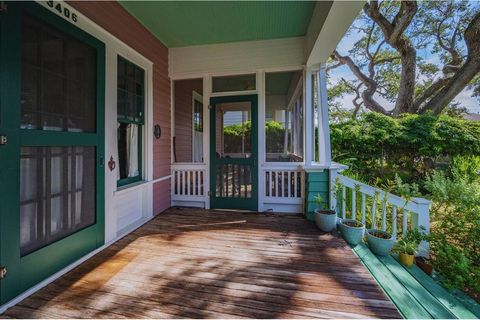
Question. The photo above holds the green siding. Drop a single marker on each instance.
(317, 183)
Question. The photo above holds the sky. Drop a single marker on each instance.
(464, 98)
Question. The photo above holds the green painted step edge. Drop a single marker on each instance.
(407, 305)
(467, 302)
(450, 301)
(428, 300)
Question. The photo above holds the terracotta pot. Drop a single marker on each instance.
(406, 259)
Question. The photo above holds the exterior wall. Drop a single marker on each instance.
(317, 183)
(114, 19)
(183, 117)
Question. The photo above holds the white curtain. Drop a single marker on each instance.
(132, 150)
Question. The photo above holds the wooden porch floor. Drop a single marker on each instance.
(215, 264)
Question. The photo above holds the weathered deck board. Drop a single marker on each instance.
(215, 264)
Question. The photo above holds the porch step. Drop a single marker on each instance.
(415, 294)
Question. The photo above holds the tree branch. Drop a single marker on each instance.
(370, 84)
(464, 75)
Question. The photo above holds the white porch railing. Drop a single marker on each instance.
(379, 209)
(189, 184)
(284, 188)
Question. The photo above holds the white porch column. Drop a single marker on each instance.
(308, 125)
(324, 151)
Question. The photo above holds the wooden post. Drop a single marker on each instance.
(421, 221)
(324, 151)
(308, 125)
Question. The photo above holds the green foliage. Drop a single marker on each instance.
(237, 136)
(403, 246)
(319, 201)
(275, 135)
(234, 134)
(412, 146)
(437, 157)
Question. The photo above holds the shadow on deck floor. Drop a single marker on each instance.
(214, 264)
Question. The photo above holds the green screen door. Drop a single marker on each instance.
(51, 150)
(233, 153)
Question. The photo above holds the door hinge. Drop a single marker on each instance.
(3, 140)
(3, 6)
(209, 193)
(209, 106)
(3, 272)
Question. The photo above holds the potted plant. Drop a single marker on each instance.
(407, 247)
(425, 264)
(406, 251)
(352, 231)
(380, 242)
(325, 219)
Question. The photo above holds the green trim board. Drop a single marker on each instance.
(235, 200)
(187, 23)
(30, 269)
(414, 294)
(316, 183)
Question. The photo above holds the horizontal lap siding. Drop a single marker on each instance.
(183, 117)
(112, 17)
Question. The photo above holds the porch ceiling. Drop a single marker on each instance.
(187, 23)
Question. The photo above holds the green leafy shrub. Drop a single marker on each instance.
(412, 146)
(436, 157)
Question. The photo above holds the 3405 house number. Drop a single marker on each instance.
(62, 10)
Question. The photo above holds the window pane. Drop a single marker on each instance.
(233, 127)
(131, 92)
(188, 118)
(284, 116)
(234, 83)
(57, 194)
(58, 80)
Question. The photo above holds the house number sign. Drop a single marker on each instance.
(61, 10)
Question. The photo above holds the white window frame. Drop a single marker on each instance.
(197, 97)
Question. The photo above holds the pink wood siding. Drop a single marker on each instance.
(183, 117)
(112, 17)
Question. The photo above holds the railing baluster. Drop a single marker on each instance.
(405, 221)
(283, 183)
(344, 202)
(188, 183)
(177, 178)
(276, 184)
(194, 186)
(354, 203)
(364, 203)
(374, 211)
(384, 216)
(394, 227)
(289, 183)
(295, 185)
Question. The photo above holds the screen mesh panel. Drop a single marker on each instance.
(57, 194)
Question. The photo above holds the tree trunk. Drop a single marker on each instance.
(408, 56)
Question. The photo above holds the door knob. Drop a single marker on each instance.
(3, 140)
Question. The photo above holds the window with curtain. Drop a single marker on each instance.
(130, 117)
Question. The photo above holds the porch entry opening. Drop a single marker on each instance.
(233, 145)
(51, 178)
